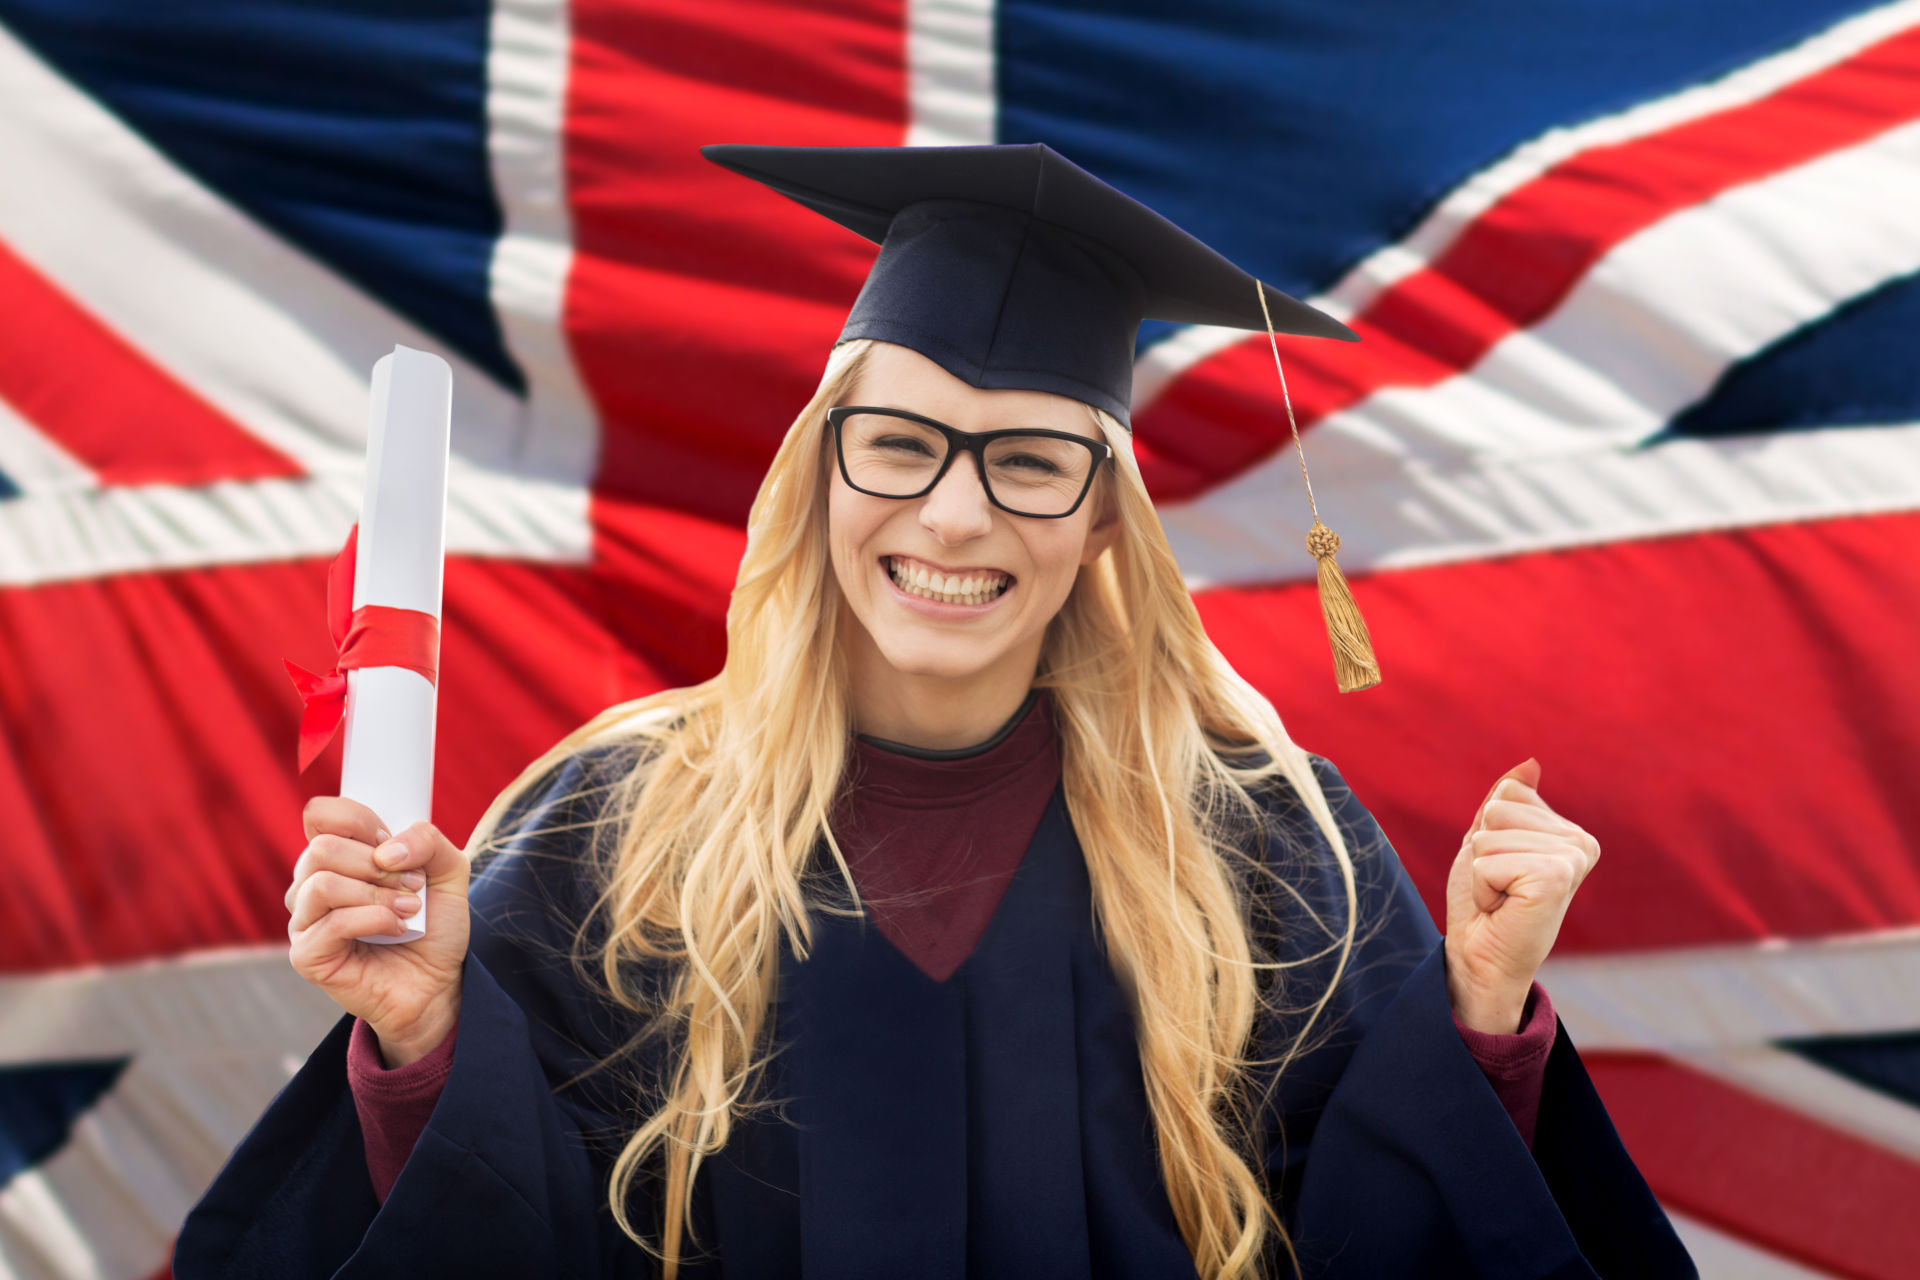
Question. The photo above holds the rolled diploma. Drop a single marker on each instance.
(388, 761)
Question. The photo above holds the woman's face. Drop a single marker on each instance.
(956, 531)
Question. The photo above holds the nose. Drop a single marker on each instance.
(958, 508)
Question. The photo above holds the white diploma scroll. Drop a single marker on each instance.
(388, 763)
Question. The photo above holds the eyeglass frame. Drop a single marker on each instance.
(959, 442)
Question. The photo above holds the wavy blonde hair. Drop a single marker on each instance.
(724, 809)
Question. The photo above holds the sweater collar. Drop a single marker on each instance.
(1025, 741)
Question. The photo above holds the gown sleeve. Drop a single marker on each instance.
(393, 1103)
(1516, 1065)
(508, 1178)
(1387, 1150)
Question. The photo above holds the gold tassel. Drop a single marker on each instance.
(1354, 664)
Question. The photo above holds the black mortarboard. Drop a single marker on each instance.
(1011, 266)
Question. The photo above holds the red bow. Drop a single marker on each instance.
(370, 636)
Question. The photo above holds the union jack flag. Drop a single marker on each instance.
(1627, 469)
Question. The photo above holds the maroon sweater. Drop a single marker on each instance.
(933, 839)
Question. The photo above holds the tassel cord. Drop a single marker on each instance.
(1354, 665)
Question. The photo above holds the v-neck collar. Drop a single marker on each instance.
(934, 843)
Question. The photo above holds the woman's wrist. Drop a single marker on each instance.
(399, 1049)
(1492, 1012)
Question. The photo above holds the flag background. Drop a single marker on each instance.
(1627, 468)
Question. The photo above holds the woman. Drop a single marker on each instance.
(977, 918)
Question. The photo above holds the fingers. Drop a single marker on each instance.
(345, 856)
(340, 872)
(424, 848)
(1525, 811)
(1517, 806)
(1480, 814)
(1581, 852)
(1514, 802)
(324, 892)
(1533, 864)
(1525, 775)
(338, 928)
(339, 816)
(1529, 875)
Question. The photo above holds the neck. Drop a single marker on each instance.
(936, 713)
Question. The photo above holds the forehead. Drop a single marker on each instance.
(901, 378)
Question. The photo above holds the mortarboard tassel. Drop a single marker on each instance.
(1354, 665)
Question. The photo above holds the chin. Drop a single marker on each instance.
(915, 656)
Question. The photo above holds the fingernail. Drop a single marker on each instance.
(406, 905)
(392, 855)
(382, 836)
(413, 879)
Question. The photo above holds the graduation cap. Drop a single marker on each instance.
(1012, 267)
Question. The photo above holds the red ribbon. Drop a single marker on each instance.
(370, 636)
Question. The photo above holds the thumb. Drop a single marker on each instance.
(1527, 773)
(424, 847)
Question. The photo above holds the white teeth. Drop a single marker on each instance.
(947, 588)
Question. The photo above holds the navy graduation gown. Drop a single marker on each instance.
(994, 1124)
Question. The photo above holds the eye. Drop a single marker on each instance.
(902, 444)
(1028, 462)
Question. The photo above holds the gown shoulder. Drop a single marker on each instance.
(1386, 1150)
(509, 1177)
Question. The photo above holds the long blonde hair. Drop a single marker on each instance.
(727, 803)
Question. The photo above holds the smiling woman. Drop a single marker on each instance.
(977, 919)
(952, 593)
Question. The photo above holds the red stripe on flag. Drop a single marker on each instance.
(1761, 1171)
(104, 402)
(1734, 715)
(148, 768)
(682, 268)
(665, 580)
(1513, 265)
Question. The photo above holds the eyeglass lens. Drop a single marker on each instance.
(896, 458)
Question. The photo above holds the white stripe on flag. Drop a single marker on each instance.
(1711, 999)
(1807, 1087)
(212, 1037)
(1535, 447)
(950, 73)
(527, 64)
(1720, 1256)
(272, 338)
(109, 1202)
(86, 533)
(1458, 209)
(215, 1002)
(1739, 87)
(36, 464)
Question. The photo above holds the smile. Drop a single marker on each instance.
(972, 587)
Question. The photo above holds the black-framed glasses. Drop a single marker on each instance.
(1027, 471)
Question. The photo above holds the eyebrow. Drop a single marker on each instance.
(1029, 426)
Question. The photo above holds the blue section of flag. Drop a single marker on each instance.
(1345, 123)
(1888, 1063)
(8, 489)
(355, 129)
(39, 1104)
(1854, 366)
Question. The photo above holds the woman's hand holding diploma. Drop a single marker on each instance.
(351, 882)
(1508, 891)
